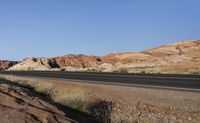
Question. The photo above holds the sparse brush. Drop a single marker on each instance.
(123, 70)
(102, 111)
(195, 73)
(24, 83)
(143, 72)
(62, 69)
(43, 87)
(73, 97)
(10, 78)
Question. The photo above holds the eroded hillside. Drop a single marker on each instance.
(4, 64)
(180, 57)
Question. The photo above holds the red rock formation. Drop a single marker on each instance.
(78, 61)
(180, 57)
(4, 64)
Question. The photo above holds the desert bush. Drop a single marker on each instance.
(77, 98)
(24, 83)
(195, 73)
(100, 71)
(115, 71)
(123, 70)
(43, 87)
(92, 70)
(143, 72)
(62, 69)
(73, 97)
(102, 111)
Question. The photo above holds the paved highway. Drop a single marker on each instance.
(174, 81)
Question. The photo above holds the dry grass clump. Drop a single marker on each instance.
(10, 78)
(43, 87)
(74, 97)
(123, 70)
(24, 83)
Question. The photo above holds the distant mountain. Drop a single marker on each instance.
(180, 57)
(4, 64)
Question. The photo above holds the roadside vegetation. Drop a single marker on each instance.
(74, 97)
(122, 70)
(195, 73)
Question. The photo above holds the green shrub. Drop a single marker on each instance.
(123, 70)
(62, 69)
(195, 73)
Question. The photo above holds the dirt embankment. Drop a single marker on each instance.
(19, 105)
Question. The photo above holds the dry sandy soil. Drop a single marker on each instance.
(134, 104)
(20, 105)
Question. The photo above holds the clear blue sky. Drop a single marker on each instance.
(57, 27)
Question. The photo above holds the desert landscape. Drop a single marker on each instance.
(176, 58)
(32, 99)
(99, 61)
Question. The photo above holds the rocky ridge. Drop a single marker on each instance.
(4, 64)
(179, 57)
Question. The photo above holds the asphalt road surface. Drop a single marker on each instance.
(174, 81)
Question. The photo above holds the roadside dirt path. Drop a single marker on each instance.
(19, 105)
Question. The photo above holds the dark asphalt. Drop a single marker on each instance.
(161, 80)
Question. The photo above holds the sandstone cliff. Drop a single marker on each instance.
(180, 57)
(4, 64)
